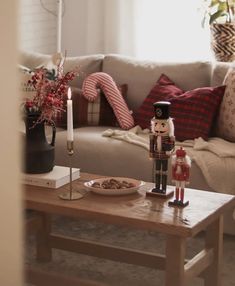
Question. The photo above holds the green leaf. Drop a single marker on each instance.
(215, 16)
(222, 6)
(214, 2)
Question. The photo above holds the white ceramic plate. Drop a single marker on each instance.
(114, 192)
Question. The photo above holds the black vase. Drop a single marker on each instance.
(39, 154)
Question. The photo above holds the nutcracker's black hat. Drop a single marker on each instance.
(161, 109)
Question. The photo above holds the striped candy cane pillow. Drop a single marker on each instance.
(108, 86)
(87, 113)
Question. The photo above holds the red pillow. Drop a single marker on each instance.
(193, 111)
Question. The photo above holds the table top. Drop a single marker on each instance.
(134, 210)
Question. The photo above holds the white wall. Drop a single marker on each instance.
(38, 27)
(11, 253)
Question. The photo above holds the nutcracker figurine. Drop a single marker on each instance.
(181, 164)
(162, 143)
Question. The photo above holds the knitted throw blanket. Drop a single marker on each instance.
(215, 157)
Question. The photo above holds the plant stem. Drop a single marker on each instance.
(229, 19)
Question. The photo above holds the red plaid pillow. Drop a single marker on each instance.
(193, 111)
(163, 88)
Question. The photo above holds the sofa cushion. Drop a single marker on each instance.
(87, 113)
(226, 119)
(86, 64)
(219, 71)
(193, 111)
(103, 155)
(141, 75)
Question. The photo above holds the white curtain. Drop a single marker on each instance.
(110, 26)
(147, 29)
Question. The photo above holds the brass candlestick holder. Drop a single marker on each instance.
(72, 194)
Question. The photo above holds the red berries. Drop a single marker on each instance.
(49, 93)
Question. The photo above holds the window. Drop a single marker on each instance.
(170, 31)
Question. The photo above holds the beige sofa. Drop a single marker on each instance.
(104, 155)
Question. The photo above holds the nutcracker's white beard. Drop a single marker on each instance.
(187, 160)
(159, 143)
(171, 127)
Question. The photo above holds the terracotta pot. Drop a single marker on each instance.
(223, 41)
(39, 154)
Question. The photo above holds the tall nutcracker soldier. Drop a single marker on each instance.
(181, 164)
(162, 143)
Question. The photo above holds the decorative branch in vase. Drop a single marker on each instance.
(50, 88)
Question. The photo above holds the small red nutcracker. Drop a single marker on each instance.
(162, 143)
(181, 164)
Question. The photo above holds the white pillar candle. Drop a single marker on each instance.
(69, 117)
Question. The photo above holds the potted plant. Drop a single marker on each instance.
(50, 88)
(220, 16)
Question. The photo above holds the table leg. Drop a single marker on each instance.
(175, 256)
(44, 250)
(214, 240)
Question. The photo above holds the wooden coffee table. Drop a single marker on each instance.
(205, 212)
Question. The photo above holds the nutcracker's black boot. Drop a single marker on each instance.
(164, 183)
(157, 183)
